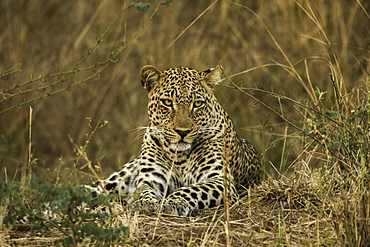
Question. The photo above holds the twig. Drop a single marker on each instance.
(226, 184)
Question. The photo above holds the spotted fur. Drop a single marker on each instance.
(189, 141)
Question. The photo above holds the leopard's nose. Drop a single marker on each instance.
(182, 133)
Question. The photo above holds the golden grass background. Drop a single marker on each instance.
(258, 38)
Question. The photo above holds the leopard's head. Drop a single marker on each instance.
(182, 108)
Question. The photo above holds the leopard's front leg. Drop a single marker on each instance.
(200, 196)
(205, 179)
(154, 182)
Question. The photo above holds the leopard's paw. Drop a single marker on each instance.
(178, 206)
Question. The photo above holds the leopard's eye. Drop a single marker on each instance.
(198, 104)
(167, 102)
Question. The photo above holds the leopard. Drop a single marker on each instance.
(191, 156)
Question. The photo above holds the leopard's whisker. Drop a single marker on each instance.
(158, 129)
(140, 131)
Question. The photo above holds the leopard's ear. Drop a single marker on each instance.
(212, 77)
(149, 76)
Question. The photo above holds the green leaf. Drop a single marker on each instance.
(332, 113)
(168, 3)
(140, 6)
(306, 132)
(320, 93)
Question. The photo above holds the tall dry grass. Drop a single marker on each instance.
(278, 46)
(296, 85)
